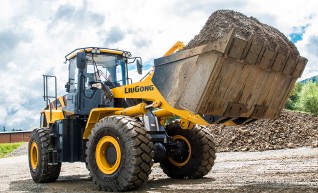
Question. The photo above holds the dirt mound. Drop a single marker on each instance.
(290, 130)
(22, 150)
(222, 21)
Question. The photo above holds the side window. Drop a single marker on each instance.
(112, 74)
(121, 73)
(90, 75)
(73, 75)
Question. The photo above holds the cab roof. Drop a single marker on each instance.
(97, 50)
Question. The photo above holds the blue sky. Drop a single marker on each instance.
(295, 37)
(297, 33)
(36, 35)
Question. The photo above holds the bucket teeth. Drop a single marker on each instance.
(257, 53)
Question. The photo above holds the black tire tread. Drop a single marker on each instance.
(45, 172)
(140, 153)
(205, 139)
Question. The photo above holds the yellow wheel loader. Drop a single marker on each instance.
(119, 128)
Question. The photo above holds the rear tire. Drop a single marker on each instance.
(198, 157)
(40, 171)
(119, 154)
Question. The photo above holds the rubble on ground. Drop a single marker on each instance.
(290, 130)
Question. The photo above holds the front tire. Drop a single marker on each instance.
(197, 156)
(119, 154)
(40, 170)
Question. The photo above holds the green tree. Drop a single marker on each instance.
(308, 98)
(294, 96)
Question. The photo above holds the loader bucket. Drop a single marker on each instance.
(230, 77)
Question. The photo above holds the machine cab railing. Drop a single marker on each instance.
(49, 94)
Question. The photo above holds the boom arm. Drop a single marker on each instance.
(143, 90)
(176, 47)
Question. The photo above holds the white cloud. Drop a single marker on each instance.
(309, 46)
(290, 17)
(36, 35)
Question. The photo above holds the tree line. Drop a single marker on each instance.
(5, 130)
(304, 97)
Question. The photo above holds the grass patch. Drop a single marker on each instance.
(6, 148)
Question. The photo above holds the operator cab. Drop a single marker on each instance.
(93, 71)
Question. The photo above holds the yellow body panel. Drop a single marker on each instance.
(149, 92)
(99, 113)
(61, 99)
(56, 115)
(96, 115)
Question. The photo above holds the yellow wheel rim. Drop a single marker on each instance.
(34, 156)
(182, 163)
(105, 150)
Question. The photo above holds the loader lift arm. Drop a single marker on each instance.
(147, 91)
(176, 47)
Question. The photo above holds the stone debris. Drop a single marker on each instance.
(315, 144)
(22, 150)
(222, 21)
(290, 130)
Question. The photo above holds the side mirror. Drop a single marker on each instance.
(67, 87)
(139, 66)
(81, 60)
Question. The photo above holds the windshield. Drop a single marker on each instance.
(100, 67)
(107, 68)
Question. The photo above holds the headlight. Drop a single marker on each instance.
(126, 54)
(95, 51)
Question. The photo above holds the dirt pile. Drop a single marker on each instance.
(22, 150)
(222, 21)
(290, 130)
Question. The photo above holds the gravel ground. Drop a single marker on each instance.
(288, 170)
(285, 170)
